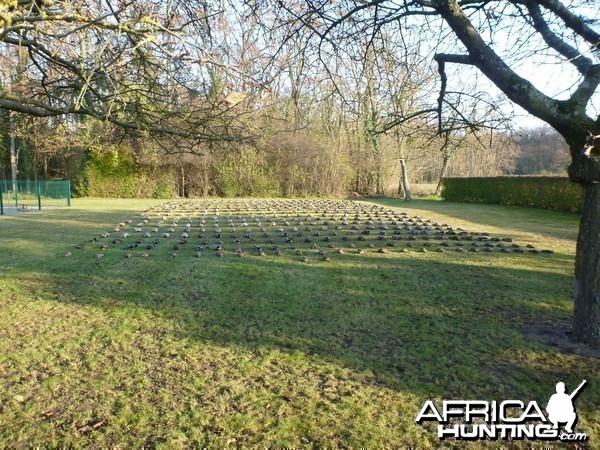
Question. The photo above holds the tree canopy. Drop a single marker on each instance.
(141, 65)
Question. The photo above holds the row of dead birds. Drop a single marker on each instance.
(265, 207)
(328, 223)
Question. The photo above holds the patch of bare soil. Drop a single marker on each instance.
(559, 334)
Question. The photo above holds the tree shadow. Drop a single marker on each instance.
(437, 325)
(437, 328)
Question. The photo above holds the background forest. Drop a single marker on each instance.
(319, 160)
(101, 161)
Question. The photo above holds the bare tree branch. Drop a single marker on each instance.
(573, 21)
(573, 55)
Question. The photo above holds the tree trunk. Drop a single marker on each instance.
(570, 119)
(405, 185)
(586, 322)
(445, 165)
(45, 166)
(585, 170)
(400, 190)
(13, 152)
(379, 183)
(378, 154)
(182, 190)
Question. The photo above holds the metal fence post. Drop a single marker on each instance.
(39, 195)
(68, 192)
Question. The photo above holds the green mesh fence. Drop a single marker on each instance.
(25, 195)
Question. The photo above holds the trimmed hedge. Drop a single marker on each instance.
(544, 192)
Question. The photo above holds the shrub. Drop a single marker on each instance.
(544, 192)
(111, 172)
(245, 172)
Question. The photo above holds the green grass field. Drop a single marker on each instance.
(270, 352)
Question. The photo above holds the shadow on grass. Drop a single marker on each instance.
(431, 327)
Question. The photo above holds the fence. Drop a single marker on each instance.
(23, 195)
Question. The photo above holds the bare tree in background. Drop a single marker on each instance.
(541, 151)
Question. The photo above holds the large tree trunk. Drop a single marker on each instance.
(586, 322)
(585, 170)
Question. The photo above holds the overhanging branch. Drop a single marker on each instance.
(573, 21)
(442, 59)
(452, 58)
(575, 57)
(191, 131)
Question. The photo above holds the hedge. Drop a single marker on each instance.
(544, 192)
(113, 173)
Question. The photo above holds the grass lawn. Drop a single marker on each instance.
(191, 352)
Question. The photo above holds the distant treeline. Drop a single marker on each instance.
(102, 161)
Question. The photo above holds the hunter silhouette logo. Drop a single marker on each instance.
(560, 407)
(509, 419)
